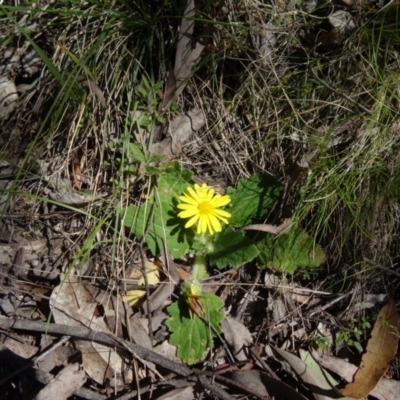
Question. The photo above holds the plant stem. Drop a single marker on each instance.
(199, 266)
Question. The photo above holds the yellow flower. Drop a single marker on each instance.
(201, 205)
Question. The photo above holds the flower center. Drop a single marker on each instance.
(205, 207)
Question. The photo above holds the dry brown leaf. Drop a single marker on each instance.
(182, 127)
(58, 357)
(61, 190)
(168, 95)
(319, 387)
(35, 254)
(76, 168)
(280, 389)
(168, 350)
(342, 22)
(94, 88)
(119, 316)
(165, 290)
(185, 393)
(69, 380)
(72, 304)
(265, 41)
(24, 350)
(258, 381)
(187, 55)
(8, 96)
(381, 349)
(387, 389)
(132, 297)
(184, 47)
(237, 336)
(249, 379)
(274, 229)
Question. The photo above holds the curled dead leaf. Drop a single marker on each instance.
(381, 349)
(76, 168)
(132, 297)
(182, 127)
(387, 389)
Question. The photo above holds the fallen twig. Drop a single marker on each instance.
(83, 333)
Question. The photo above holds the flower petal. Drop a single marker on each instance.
(192, 221)
(220, 201)
(202, 227)
(202, 192)
(194, 194)
(209, 226)
(200, 204)
(215, 223)
(189, 200)
(222, 219)
(187, 206)
(188, 213)
(221, 214)
(210, 194)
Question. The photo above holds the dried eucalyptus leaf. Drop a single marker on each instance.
(181, 129)
(8, 97)
(237, 336)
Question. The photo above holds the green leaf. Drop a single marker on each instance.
(358, 346)
(144, 120)
(253, 199)
(158, 216)
(156, 157)
(232, 248)
(136, 151)
(161, 119)
(265, 244)
(297, 250)
(177, 240)
(152, 170)
(193, 337)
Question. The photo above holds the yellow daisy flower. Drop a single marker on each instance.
(201, 205)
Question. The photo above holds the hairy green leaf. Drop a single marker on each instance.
(232, 248)
(158, 216)
(253, 199)
(192, 336)
(297, 250)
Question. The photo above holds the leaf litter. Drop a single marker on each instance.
(76, 302)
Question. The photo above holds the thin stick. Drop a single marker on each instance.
(111, 341)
